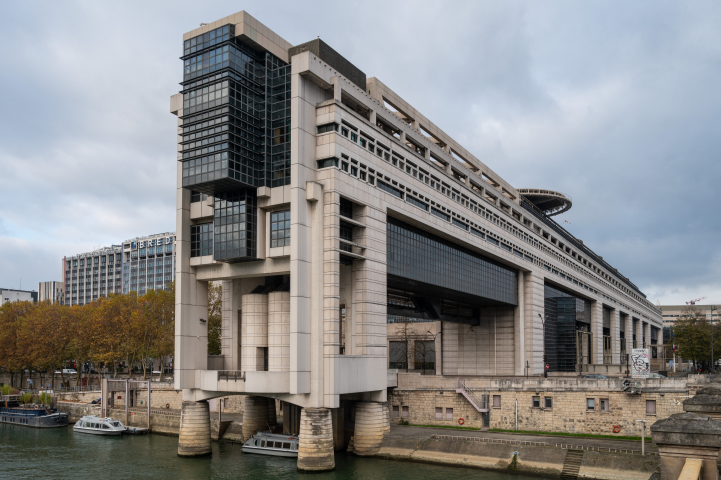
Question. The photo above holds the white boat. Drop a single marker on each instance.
(99, 426)
(266, 443)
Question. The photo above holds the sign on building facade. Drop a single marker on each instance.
(640, 362)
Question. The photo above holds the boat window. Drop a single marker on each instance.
(262, 443)
(105, 426)
(286, 445)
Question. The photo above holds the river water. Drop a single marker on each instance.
(62, 454)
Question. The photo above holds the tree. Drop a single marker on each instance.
(215, 318)
(692, 336)
(156, 324)
(12, 356)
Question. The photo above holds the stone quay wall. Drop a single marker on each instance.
(432, 400)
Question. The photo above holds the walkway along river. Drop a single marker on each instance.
(28, 453)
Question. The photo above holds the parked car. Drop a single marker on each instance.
(595, 375)
(67, 371)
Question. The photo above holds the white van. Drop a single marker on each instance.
(68, 371)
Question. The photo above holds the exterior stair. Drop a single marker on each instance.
(478, 404)
(572, 464)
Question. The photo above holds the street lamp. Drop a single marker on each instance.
(643, 437)
(543, 322)
(713, 364)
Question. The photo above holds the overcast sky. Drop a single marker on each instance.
(617, 104)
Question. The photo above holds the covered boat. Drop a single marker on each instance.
(266, 443)
(38, 416)
(95, 425)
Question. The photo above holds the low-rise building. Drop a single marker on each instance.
(12, 295)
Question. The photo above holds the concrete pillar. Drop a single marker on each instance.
(439, 347)
(386, 419)
(254, 331)
(191, 302)
(615, 337)
(279, 331)
(532, 325)
(687, 435)
(629, 333)
(647, 334)
(194, 439)
(369, 428)
(229, 333)
(272, 414)
(519, 318)
(315, 450)
(597, 330)
(255, 416)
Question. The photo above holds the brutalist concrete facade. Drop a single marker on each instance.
(377, 212)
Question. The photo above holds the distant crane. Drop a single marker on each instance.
(693, 302)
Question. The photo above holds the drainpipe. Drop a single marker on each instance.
(516, 414)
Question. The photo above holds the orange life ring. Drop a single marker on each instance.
(36, 407)
(616, 428)
(461, 421)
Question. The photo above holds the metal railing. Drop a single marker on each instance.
(479, 404)
(234, 375)
(85, 388)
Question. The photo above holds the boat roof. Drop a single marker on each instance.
(276, 436)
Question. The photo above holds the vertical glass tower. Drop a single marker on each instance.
(235, 132)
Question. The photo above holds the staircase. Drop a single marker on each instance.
(572, 464)
(479, 405)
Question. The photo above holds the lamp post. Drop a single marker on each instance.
(543, 323)
(713, 364)
(643, 437)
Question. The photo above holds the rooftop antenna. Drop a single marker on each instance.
(203, 24)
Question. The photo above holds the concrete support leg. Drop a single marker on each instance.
(255, 416)
(369, 428)
(315, 450)
(386, 419)
(272, 414)
(194, 440)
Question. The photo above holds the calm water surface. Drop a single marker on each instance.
(62, 454)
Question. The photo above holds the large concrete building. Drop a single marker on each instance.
(51, 292)
(139, 264)
(327, 206)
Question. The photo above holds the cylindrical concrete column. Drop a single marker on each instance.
(386, 418)
(194, 439)
(255, 416)
(254, 332)
(315, 450)
(369, 428)
(279, 332)
(272, 415)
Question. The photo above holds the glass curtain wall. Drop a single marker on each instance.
(566, 316)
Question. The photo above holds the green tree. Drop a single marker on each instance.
(215, 318)
(692, 336)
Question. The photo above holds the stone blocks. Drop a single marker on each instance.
(315, 450)
(194, 439)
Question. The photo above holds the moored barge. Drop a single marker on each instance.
(38, 417)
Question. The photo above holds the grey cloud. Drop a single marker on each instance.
(613, 103)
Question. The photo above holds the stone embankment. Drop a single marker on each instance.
(520, 456)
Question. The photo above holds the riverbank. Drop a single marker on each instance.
(598, 459)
